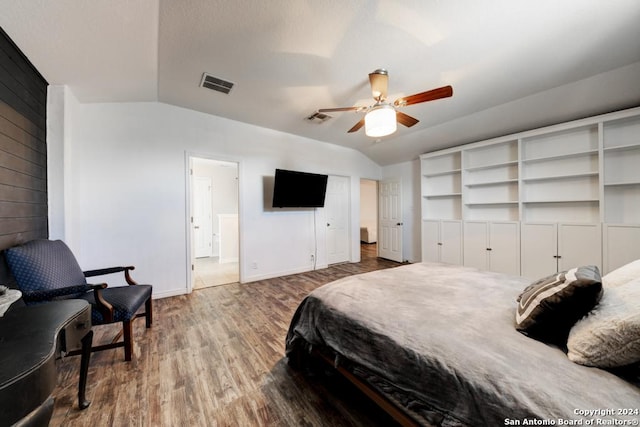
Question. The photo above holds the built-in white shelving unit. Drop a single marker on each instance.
(621, 191)
(560, 176)
(580, 178)
(442, 186)
(490, 182)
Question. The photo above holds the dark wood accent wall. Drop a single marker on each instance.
(23, 149)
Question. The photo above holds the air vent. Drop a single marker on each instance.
(215, 83)
(318, 117)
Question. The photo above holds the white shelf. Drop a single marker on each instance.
(560, 201)
(622, 184)
(560, 156)
(443, 173)
(560, 177)
(491, 183)
(506, 202)
(440, 196)
(491, 166)
(623, 147)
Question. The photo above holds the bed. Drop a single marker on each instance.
(436, 343)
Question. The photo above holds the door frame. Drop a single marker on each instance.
(188, 170)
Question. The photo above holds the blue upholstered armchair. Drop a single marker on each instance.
(47, 270)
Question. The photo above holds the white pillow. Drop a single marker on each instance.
(610, 335)
(622, 275)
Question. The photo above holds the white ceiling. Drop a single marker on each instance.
(513, 64)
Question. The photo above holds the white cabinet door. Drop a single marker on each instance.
(504, 242)
(431, 240)
(493, 246)
(579, 244)
(621, 246)
(539, 249)
(547, 248)
(451, 241)
(476, 242)
(442, 241)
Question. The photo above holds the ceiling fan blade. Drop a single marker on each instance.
(335, 110)
(405, 119)
(379, 80)
(357, 126)
(430, 95)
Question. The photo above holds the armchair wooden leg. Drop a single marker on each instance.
(128, 339)
(148, 306)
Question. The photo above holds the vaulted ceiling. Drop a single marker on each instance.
(513, 64)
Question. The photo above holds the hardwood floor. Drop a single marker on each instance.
(216, 358)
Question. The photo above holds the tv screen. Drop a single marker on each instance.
(292, 189)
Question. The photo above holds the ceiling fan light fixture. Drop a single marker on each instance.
(380, 121)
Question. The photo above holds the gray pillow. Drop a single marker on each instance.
(549, 307)
(609, 337)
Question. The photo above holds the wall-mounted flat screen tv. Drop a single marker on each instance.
(293, 189)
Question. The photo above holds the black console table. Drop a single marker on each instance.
(31, 339)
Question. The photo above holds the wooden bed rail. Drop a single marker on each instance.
(383, 402)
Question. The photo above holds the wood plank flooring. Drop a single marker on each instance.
(216, 358)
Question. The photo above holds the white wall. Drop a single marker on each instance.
(125, 189)
(409, 173)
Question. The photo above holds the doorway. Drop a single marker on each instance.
(214, 222)
(368, 219)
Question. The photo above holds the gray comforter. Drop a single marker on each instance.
(440, 340)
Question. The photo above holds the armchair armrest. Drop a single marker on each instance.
(111, 270)
(51, 294)
(102, 305)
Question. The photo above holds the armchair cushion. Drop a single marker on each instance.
(46, 265)
(126, 300)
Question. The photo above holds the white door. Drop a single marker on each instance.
(390, 217)
(579, 244)
(504, 242)
(476, 244)
(539, 249)
(451, 242)
(202, 220)
(620, 246)
(431, 240)
(337, 214)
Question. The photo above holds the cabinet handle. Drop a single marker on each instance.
(439, 244)
(488, 249)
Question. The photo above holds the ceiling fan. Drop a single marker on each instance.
(382, 117)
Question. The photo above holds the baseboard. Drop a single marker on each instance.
(249, 279)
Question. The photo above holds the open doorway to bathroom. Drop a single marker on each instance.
(368, 219)
(214, 222)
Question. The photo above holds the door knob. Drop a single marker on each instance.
(328, 224)
(399, 223)
(196, 227)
